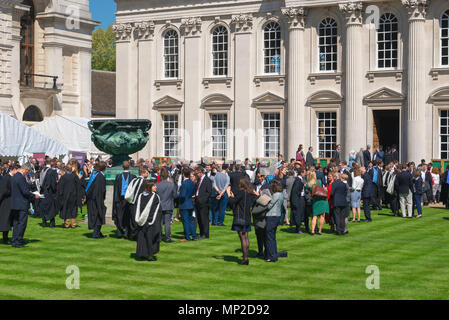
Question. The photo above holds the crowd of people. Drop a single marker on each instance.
(298, 193)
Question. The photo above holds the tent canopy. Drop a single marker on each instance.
(19, 140)
(72, 132)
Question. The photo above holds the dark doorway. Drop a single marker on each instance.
(386, 128)
(33, 114)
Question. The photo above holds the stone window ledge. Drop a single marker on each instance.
(435, 72)
(325, 75)
(371, 75)
(270, 78)
(214, 80)
(168, 82)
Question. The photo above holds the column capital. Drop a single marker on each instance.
(123, 31)
(144, 30)
(417, 9)
(352, 11)
(191, 26)
(295, 16)
(242, 22)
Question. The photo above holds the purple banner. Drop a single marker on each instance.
(80, 157)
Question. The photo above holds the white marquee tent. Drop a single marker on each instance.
(72, 132)
(19, 140)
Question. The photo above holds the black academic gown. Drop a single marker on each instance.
(133, 227)
(444, 190)
(149, 236)
(5, 203)
(48, 205)
(69, 196)
(121, 208)
(95, 196)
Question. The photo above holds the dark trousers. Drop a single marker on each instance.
(188, 224)
(299, 214)
(5, 236)
(261, 241)
(20, 219)
(52, 222)
(272, 225)
(340, 216)
(418, 198)
(202, 212)
(97, 231)
(366, 208)
(166, 220)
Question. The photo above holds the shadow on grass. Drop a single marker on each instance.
(445, 218)
(251, 253)
(227, 258)
(386, 214)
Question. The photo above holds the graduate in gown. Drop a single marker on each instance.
(48, 204)
(137, 188)
(121, 207)
(95, 196)
(148, 213)
(5, 204)
(69, 196)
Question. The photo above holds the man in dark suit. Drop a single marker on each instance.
(337, 157)
(5, 204)
(367, 155)
(186, 192)
(20, 203)
(394, 154)
(202, 196)
(167, 191)
(404, 187)
(339, 201)
(367, 193)
(298, 202)
(310, 161)
(235, 176)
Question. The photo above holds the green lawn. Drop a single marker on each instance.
(412, 255)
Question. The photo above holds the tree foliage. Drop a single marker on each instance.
(103, 49)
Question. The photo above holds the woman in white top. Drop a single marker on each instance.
(356, 193)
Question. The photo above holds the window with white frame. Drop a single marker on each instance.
(444, 134)
(219, 127)
(272, 48)
(220, 51)
(171, 54)
(387, 42)
(327, 38)
(272, 134)
(327, 133)
(445, 39)
(170, 137)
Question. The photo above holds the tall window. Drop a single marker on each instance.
(272, 48)
(327, 133)
(170, 135)
(27, 44)
(387, 42)
(171, 53)
(272, 134)
(444, 134)
(445, 39)
(328, 44)
(220, 51)
(219, 132)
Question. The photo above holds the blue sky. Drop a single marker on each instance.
(103, 11)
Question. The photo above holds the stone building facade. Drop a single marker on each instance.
(39, 41)
(253, 78)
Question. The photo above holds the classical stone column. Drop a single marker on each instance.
(354, 117)
(123, 33)
(243, 143)
(296, 80)
(85, 63)
(54, 67)
(191, 140)
(415, 131)
(144, 33)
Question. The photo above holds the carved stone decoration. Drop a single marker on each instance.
(242, 22)
(295, 16)
(417, 9)
(144, 30)
(191, 26)
(353, 11)
(123, 31)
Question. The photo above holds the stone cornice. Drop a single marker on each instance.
(353, 12)
(144, 30)
(295, 16)
(123, 31)
(191, 26)
(242, 22)
(417, 9)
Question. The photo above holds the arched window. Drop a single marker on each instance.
(327, 34)
(387, 42)
(27, 44)
(171, 54)
(272, 48)
(220, 51)
(33, 114)
(445, 39)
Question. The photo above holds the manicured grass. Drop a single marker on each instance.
(412, 256)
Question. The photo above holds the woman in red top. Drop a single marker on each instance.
(330, 216)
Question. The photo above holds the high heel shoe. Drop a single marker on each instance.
(244, 262)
